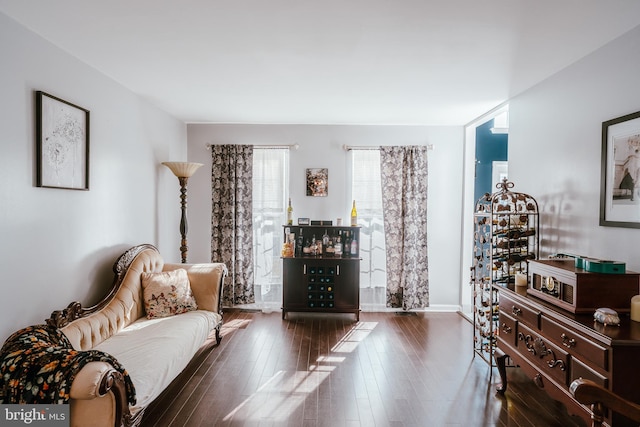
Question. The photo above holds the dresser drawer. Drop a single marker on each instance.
(507, 329)
(520, 312)
(580, 370)
(574, 342)
(549, 358)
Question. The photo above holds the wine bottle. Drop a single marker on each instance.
(289, 213)
(505, 244)
(354, 215)
(514, 258)
(516, 233)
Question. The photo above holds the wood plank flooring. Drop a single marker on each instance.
(328, 370)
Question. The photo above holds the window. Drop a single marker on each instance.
(367, 191)
(270, 187)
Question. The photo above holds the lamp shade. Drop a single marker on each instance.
(182, 169)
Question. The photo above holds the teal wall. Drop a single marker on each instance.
(489, 147)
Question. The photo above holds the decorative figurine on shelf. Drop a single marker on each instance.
(607, 316)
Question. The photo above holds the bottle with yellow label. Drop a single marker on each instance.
(354, 215)
(290, 213)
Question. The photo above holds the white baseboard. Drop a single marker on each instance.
(433, 308)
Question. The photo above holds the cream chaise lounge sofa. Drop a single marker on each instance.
(153, 351)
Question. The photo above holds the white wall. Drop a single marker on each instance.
(555, 149)
(57, 246)
(322, 147)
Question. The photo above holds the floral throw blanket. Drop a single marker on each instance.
(38, 365)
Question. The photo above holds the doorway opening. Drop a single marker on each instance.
(485, 165)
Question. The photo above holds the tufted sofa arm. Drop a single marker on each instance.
(92, 381)
(98, 386)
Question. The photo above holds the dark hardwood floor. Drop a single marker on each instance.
(328, 370)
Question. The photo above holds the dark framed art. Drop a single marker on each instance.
(317, 182)
(620, 176)
(62, 143)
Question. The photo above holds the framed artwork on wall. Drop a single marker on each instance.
(62, 143)
(620, 175)
(317, 182)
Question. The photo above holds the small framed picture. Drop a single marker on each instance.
(303, 221)
(317, 182)
(62, 137)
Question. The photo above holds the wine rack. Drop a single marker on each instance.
(505, 237)
(321, 286)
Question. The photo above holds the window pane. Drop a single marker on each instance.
(366, 185)
(270, 186)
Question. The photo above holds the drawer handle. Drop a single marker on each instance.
(538, 381)
(506, 329)
(567, 342)
(516, 311)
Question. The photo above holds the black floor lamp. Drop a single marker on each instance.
(183, 170)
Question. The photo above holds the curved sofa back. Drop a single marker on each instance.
(124, 308)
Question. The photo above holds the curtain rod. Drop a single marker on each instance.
(372, 147)
(290, 146)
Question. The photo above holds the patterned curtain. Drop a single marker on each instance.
(231, 219)
(404, 202)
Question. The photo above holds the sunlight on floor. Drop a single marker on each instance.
(285, 392)
(357, 334)
(228, 327)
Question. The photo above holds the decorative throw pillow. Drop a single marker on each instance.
(167, 293)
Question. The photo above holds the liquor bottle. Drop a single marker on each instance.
(354, 215)
(346, 251)
(291, 245)
(354, 246)
(337, 247)
(330, 251)
(290, 213)
(299, 244)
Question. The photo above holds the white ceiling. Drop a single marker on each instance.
(426, 62)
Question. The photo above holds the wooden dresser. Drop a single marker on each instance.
(554, 347)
